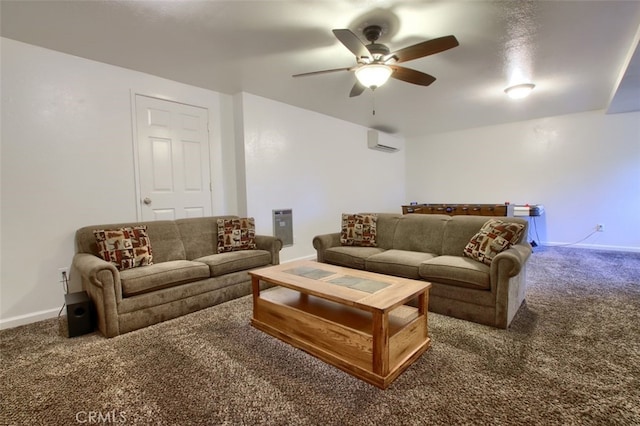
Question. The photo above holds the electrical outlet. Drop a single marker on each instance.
(600, 227)
(63, 274)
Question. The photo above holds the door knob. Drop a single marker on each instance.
(147, 200)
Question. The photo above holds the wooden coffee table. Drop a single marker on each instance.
(354, 320)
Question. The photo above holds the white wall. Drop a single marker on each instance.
(584, 168)
(316, 165)
(67, 161)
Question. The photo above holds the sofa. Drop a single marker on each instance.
(173, 269)
(436, 248)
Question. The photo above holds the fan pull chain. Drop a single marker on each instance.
(374, 102)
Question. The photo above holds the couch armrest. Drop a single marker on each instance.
(271, 244)
(323, 242)
(101, 281)
(510, 262)
(508, 282)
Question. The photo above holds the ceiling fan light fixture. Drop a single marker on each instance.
(373, 75)
(519, 91)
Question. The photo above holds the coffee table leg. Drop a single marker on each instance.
(423, 306)
(381, 343)
(255, 289)
(423, 302)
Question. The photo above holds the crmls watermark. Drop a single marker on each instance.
(98, 417)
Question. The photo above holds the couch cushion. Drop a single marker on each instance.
(200, 235)
(494, 237)
(420, 232)
(161, 275)
(358, 230)
(351, 257)
(236, 234)
(233, 261)
(126, 248)
(400, 263)
(386, 228)
(456, 270)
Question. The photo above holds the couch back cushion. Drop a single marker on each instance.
(163, 235)
(386, 229)
(420, 232)
(460, 229)
(200, 235)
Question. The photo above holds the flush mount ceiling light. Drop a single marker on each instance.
(519, 91)
(373, 75)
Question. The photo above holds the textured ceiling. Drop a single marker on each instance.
(578, 53)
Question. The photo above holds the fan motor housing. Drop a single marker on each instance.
(377, 49)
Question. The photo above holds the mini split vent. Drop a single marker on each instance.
(386, 144)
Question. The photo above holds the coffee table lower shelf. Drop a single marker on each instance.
(375, 348)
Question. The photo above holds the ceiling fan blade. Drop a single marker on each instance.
(352, 42)
(357, 89)
(412, 76)
(425, 48)
(304, 74)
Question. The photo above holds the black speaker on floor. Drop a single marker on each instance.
(79, 313)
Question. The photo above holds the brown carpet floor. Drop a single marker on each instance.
(571, 357)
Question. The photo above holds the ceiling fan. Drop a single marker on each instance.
(376, 63)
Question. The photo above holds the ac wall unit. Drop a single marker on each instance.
(386, 144)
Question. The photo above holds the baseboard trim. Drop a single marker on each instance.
(52, 313)
(28, 318)
(594, 247)
(312, 257)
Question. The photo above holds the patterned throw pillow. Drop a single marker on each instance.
(494, 237)
(358, 230)
(236, 234)
(126, 248)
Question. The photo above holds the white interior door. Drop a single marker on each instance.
(173, 159)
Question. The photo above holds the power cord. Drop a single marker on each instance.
(65, 287)
(535, 228)
(579, 241)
